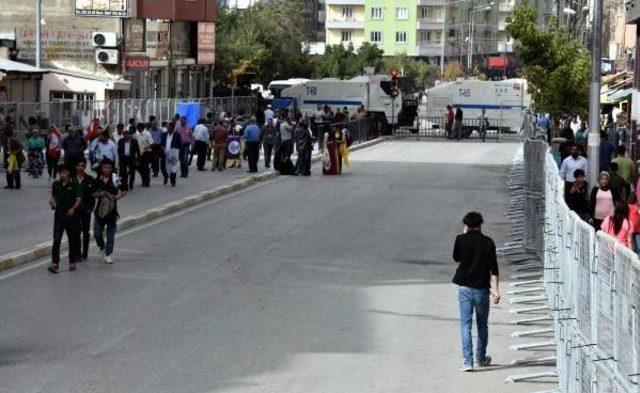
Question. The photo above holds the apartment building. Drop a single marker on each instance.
(422, 28)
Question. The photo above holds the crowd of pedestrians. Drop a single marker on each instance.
(92, 169)
(612, 204)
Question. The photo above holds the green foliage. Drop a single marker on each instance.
(264, 39)
(341, 62)
(556, 66)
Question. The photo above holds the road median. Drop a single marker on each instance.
(42, 250)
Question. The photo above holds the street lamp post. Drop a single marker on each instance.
(480, 8)
(38, 31)
(594, 100)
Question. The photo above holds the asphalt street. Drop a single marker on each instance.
(320, 284)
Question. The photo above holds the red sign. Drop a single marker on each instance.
(498, 62)
(137, 62)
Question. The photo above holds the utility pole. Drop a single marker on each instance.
(443, 40)
(38, 31)
(594, 99)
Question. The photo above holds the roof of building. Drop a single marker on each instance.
(14, 66)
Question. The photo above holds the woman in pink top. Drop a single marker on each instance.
(619, 226)
(601, 202)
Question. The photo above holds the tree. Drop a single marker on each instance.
(556, 66)
(453, 71)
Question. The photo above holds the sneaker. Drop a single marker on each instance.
(484, 363)
(467, 368)
(108, 260)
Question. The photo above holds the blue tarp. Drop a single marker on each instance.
(282, 103)
(189, 110)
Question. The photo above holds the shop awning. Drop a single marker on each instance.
(9, 66)
(621, 95)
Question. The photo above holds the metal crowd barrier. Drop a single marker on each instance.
(592, 286)
(25, 114)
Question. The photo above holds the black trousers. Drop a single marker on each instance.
(268, 150)
(200, 148)
(52, 167)
(85, 226)
(127, 172)
(156, 156)
(144, 170)
(13, 179)
(253, 154)
(71, 162)
(165, 173)
(72, 227)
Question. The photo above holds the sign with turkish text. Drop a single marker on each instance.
(110, 8)
(137, 62)
(206, 43)
(56, 44)
(134, 39)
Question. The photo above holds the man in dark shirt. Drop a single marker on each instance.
(617, 183)
(577, 195)
(476, 276)
(88, 188)
(66, 198)
(74, 146)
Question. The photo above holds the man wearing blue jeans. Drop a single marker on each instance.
(477, 276)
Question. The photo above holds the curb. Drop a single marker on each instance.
(41, 250)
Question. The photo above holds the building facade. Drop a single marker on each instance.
(120, 49)
(422, 28)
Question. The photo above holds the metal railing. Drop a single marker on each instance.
(592, 284)
(436, 126)
(27, 115)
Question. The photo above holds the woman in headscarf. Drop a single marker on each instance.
(602, 201)
(15, 158)
(335, 152)
(35, 146)
(304, 146)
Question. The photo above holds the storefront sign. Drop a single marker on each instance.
(158, 40)
(134, 35)
(206, 43)
(181, 39)
(112, 8)
(57, 44)
(137, 62)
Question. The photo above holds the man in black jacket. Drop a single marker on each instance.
(88, 186)
(476, 276)
(128, 156)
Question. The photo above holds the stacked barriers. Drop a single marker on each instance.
(592, 285)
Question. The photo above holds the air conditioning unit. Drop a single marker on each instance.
(104, 39)
(107, 56)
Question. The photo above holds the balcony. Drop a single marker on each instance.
(505, 47)
(428, 49)
(431, 2)
(429, 24)
(344, 2)
(506, 6)
(347, 24)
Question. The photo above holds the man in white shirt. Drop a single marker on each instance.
(571, 163)
(145, 141)
(104, 148)
(201, 137)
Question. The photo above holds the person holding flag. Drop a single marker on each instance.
(94, 130)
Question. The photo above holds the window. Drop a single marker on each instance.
(376, 36)
(402, 13)
(347, 12)
(376, 13)
(431, 13)
(425, 13)
(401, 36)
(346, 35)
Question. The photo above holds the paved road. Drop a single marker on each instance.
(321, 284)
(27, 219)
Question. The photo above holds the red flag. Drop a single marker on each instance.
(93, 129)
(54, 142)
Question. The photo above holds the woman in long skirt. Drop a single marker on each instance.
(335, 151)
(35, 146)
(304, 145)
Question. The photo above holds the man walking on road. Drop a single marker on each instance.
(88, 188)
(66, 199)
(252, 137)
(477, 276)
(128, 157)
(156, 148)
(145, 143)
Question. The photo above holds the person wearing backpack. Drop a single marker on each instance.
(106, 213)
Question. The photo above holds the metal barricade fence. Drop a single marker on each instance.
(592, 283)
(26, 115)
(360, 130)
